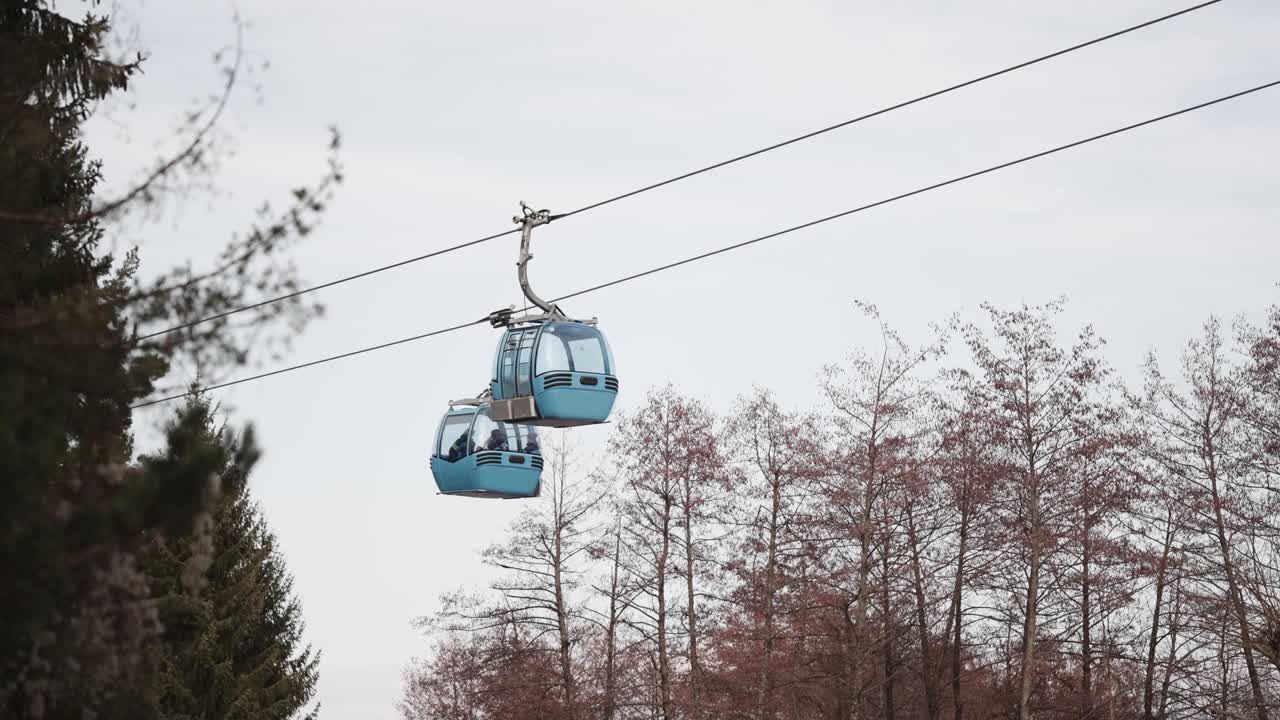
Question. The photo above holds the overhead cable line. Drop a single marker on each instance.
(321, 361)
(331, 283)
(699, 171)
(728, 248)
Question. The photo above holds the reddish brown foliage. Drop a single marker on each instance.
(1005, 534)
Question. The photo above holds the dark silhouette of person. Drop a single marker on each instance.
(532, 446)
(458, 449)
(497, 440)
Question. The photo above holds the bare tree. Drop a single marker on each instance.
(1165, 566)
(777, 454)
(1040, 397)
(969, 473)
(541, 559)
(1262, 378)
(1199, 439)
(1004, 540)
(662, 450)
(182, 314)
(618, 595)
(875, 399)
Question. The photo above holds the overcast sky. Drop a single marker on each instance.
(453, 112)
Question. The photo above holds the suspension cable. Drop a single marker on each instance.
(693, 173)
(752, 241)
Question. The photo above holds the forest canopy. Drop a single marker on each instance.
(1005, 530)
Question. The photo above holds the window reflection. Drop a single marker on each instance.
(453, 438)
(524, 370)
(488, 434)
(574, 347)
(529, 437)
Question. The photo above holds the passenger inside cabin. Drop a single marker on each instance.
(458, 449)
(532, 445)
(497, 440)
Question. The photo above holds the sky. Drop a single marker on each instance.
(452, 113)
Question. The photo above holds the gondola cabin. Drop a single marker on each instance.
(557, 374)
(476, 456)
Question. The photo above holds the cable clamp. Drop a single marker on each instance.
(532, 218)
(501, 318)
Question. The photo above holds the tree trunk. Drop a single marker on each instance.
(1107, 665)
(611, 635)
(765, 680)
(664, 659)
(844, 700)
(1148, 685)
(562, 625)
(1224, 683)
(928, 666)
(1030, 625)
(1086, 621)
(1233, 588)
(864, 576)
(890, 634)
(695, 669)
(1175, 624)
(957, 612)
(610, 669)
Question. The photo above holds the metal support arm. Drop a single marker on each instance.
(550, 312)
(528, 220)
(481, 400)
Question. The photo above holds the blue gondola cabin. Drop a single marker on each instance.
(476, 456)
(557, 374)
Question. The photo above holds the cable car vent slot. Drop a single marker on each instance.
(536, 462)
(611, 383)
(517, 459)
(555, 380)
(489, 458)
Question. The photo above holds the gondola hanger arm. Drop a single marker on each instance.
(528, 219)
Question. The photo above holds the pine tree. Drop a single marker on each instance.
(80, 629)
(76, 621)
(233, 644)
